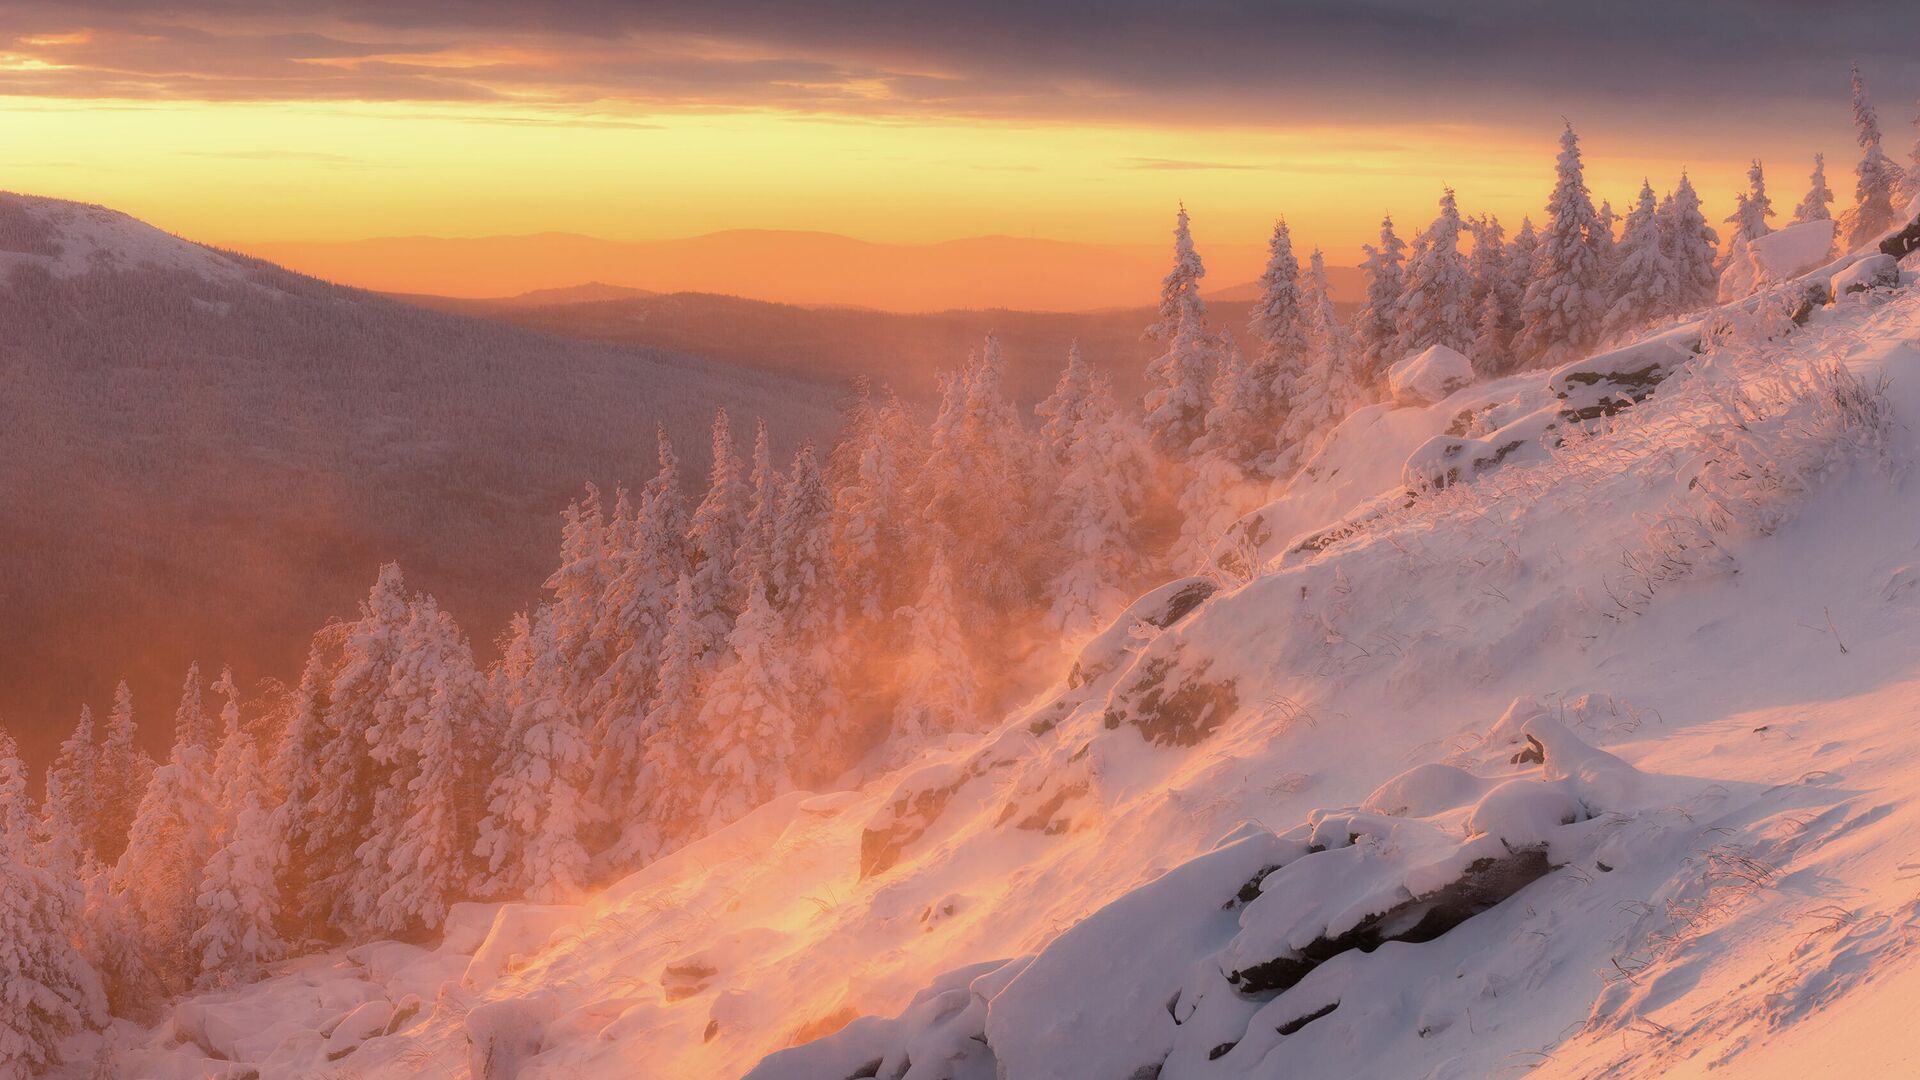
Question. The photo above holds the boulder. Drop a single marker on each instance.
(1873, 272)
(1429, 376)
(1171, 703)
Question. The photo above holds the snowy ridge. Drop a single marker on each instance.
(1592, 811)
(67, 239)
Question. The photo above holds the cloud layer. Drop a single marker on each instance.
(1280, 64)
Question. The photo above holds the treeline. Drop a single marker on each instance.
(797, 626)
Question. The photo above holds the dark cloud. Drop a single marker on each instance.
(1275, 63)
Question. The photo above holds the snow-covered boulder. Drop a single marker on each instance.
(1603, 384)
(1873, 272)
(1426, 377)
(519, 931)
(1781, 255)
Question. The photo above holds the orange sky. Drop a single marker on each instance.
(251, 128)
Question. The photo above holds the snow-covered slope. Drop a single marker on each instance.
(219, 446)
(1592, 757)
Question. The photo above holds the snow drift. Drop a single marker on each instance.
(1507, 738)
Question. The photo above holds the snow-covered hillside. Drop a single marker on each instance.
(1563, 726)
(219, 446)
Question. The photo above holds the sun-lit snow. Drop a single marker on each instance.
(1675, 654)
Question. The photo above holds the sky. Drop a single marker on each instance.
(907, 122)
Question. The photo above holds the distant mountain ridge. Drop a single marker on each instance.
(804, 268)
(207, 456)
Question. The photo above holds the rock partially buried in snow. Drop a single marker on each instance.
(1427, 377)
(519, 931)
(1779, 256)
(1872, 272)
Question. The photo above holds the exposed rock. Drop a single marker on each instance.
(1172, 706)
(1604, 384)
(1444, 460)
(1902, 243)
(916, 803)
(1873, 272)
(1159, 609)
(1485, 883)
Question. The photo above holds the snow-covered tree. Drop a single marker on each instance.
(73, 786)
(802, 590)
(748, 718)
(122, 776)
(941, 691)
(1689, 244)
(1645, 285)
(1497, 295)
(763, 511)
(333, 780)
(1814, 206)
(239, 895)
(1560, 315)
(671, 780)
(1436, 307)
(47, 989)
(1376, 327)
(1180, 290)
(1751, 210)
(981, 483)
(175, 831)
(873, 510)
(578, 586)
(435, 733)
(1328, 389)
(1177, 397)
(1061, 410)
(651, 558)
(716, 533)
(1102, 488)
(1877, 177)
(530, 837)
(1249, 393)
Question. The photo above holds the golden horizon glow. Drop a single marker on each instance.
(252, 175)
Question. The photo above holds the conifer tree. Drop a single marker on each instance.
(1101, 490)
(873, 511)
(174, 833)
(123, 772)
(1645, 285)
(748, 718)
(715, 535)
(1249, 394)
(434, 733)
(1328, 389)
(530, 837)
(1177, 397)
(671, 781)
(1497, 296)
(1560, 315)
(1060, 411)
(73, 785)
(238, 896)
(1689, 244)
(941, 690)
(332, 779)
(1180, 291)
(1436, 307)
(578, 586)
(1376, 328)
(1876, 174)
(47, 989)
(653, 559)
(763, 511)
(1604, 239)
(1909, 189)
(1751, 210)
(1814, 206)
